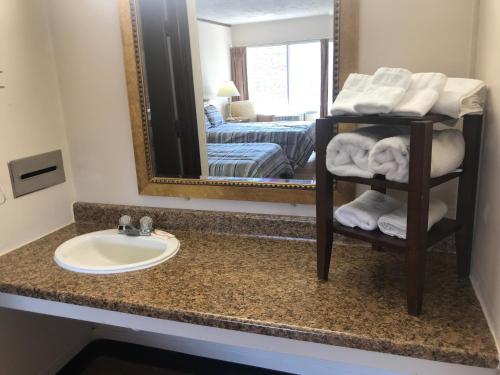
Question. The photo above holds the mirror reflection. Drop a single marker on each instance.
(232, 88)
(267, 75)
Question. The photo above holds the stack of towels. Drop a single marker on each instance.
(385, 150)
(374, 210)
(398, 92)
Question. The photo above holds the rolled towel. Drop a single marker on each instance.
(460, 97)
(347, 153)
(364, 211)
(391, 156)
(353, 87)
(386, 89)
(424, 92)
(394, 223)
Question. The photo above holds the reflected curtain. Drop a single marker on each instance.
(324, 78)
(239, 71)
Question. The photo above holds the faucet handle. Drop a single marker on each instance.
(125, 220)
(146, 225)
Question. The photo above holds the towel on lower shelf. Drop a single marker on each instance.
(394, 223)
(386, 89)
(347, 97)
(364, 211)
(347, 153)
(391, 156)
(424, 92)
(461, 96)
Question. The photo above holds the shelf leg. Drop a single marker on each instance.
(418, 213)
(325, 129)
(467, 189)
(383, 190)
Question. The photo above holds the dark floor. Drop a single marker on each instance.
(105, 357)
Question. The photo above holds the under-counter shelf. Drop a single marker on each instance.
(438, 232)
(418, 188)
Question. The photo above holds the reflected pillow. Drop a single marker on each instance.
(214, 116)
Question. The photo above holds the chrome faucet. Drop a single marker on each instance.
(125, 226)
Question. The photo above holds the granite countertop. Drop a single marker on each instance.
(269, 286)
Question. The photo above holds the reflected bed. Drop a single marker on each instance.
(296, 138)
(248, 160)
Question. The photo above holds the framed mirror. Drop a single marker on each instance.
(224, 94)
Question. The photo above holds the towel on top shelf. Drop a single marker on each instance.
(347, 153)
(354, 85)
(461, 96)
(391, 156)
(385, 90)
(364, 211)
(423, 93)
(395, 223)
(399, 92)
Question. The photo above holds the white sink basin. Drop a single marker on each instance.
(109, 252)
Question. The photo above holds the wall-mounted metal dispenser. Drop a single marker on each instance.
(36, 173)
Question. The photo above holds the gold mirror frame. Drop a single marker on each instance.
(345, 40)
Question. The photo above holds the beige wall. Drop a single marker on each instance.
(31, 121)
(421, 35)
(486, 255)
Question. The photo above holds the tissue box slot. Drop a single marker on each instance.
(37, 172)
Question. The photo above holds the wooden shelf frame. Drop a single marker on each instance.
(418, 188)
(380, 181)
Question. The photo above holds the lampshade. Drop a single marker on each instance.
(228, 89)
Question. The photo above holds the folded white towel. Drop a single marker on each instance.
(347, 153)
(394, 223)
(424, 92)
(391, 156)
(460, 97)
(353, 87)
(364, 211)
(386, 89)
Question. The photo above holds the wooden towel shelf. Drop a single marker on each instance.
(418, 239)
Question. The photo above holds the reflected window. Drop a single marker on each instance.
(268, 78)
(286, 78)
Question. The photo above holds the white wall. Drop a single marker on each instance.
(486, 254)
(292, 30)
(31, 121)
(215, 57)
(282, 31)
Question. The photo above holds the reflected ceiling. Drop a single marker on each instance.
(249, 11)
